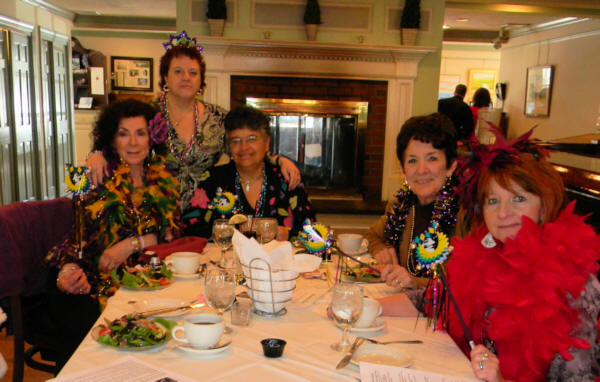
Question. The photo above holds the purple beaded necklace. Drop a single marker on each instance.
(178, 152)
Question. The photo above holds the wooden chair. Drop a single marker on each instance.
(28, 231)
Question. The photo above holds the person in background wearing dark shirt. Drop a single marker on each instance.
(459, 112)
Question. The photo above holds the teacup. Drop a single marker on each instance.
(201, 330)
(371, 310)
(184, 262)
(350, 242)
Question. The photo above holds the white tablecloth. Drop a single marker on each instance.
(305, 327)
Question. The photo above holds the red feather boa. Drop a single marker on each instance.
(525, 281)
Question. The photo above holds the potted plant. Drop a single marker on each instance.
(216, 14)
(410, 22)
(312, 19)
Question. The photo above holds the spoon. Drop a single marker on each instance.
(393, 341)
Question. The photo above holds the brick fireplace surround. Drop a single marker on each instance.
(373, 92)
(381, 75)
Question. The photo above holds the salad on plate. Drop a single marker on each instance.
(355, 272)
(142, 277)
(133, 332)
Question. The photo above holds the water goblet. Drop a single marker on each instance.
(346, 306)
(219, 290)
(266, 229)
(247, 228)
(222, 233)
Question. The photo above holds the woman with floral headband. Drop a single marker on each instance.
(135, 207)
(195, 128)
(525, 278)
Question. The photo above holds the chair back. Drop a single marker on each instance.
(28, 230)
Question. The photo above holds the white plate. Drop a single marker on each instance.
(223, 344)
(378, 324)
(381, 354)
(186, 276)
(161, 303)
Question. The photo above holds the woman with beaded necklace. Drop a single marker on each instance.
(426, 148)
(195, 138)
(249, 184)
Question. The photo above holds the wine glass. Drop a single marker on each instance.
(266, 229)
(219, 290)
(247, 228)
(222, 233)
(346, 306)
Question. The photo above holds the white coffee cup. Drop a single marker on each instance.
(201, 330)
(184, 262)
(371, 310)
(350, 242)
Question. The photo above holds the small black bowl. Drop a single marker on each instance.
(273, 347)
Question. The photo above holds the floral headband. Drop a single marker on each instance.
(158, 129)
(182, 39)
(483, 156)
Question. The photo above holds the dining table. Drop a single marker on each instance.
(305, 327)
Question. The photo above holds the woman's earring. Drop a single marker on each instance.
(165, 89)
(405, 184)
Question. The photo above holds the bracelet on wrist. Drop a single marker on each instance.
(135, 243)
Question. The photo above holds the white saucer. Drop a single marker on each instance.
(377, 325)
(364, 249)
(186, 276)
(223, 344)
(382, 355)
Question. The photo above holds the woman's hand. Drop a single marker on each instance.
(71, 279)
(290, 172)
(113, 257)
(396, 276)
(98, 167)
(485, 364)
(386, 256)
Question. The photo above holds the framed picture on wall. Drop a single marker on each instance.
(448, 83)
(131, 73)
(482, 78)
(538, 91)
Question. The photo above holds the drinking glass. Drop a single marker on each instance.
(219, 290)
(247, 228)
(346, 306)
(266, 229)
(222, 233)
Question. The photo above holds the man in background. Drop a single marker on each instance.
(459, 112)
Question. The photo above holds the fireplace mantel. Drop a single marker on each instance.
(397, 65)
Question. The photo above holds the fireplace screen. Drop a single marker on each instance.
(324, 138)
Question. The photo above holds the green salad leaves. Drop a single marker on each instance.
(134, 332)
(142, 276)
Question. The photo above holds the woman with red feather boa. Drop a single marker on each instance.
(525, 279)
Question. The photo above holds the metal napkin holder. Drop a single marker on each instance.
(256, 265)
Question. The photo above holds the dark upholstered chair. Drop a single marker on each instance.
(27, 232)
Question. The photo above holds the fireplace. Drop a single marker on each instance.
(325, 138)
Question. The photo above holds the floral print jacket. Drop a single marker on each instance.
(289, 207)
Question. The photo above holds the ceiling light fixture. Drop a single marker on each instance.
(462, 19)
(446, 26)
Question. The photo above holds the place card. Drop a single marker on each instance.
(370, 372)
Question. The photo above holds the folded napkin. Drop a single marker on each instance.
(184, 244)
(278, 254)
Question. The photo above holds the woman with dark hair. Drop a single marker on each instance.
(195, 128)
(426, 148)
(250, 184)
(481, 100)
(525, 278)
(134, 208)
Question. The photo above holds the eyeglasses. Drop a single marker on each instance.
(250, 139)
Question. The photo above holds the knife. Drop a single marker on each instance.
(346, 360)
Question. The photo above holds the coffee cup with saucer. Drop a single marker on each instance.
(203, 334)
(369, 317)
(352, 244)
(184, 264)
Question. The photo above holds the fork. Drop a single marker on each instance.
(393, 342)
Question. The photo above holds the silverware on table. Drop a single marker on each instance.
(393, 341)
(346, 360)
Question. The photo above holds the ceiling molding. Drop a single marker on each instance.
(469, 35)
(121, 33)
(125, 22)
(16, 25)
(54, 9)
(557, 9)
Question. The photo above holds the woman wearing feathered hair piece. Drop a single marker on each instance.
(525, 278)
